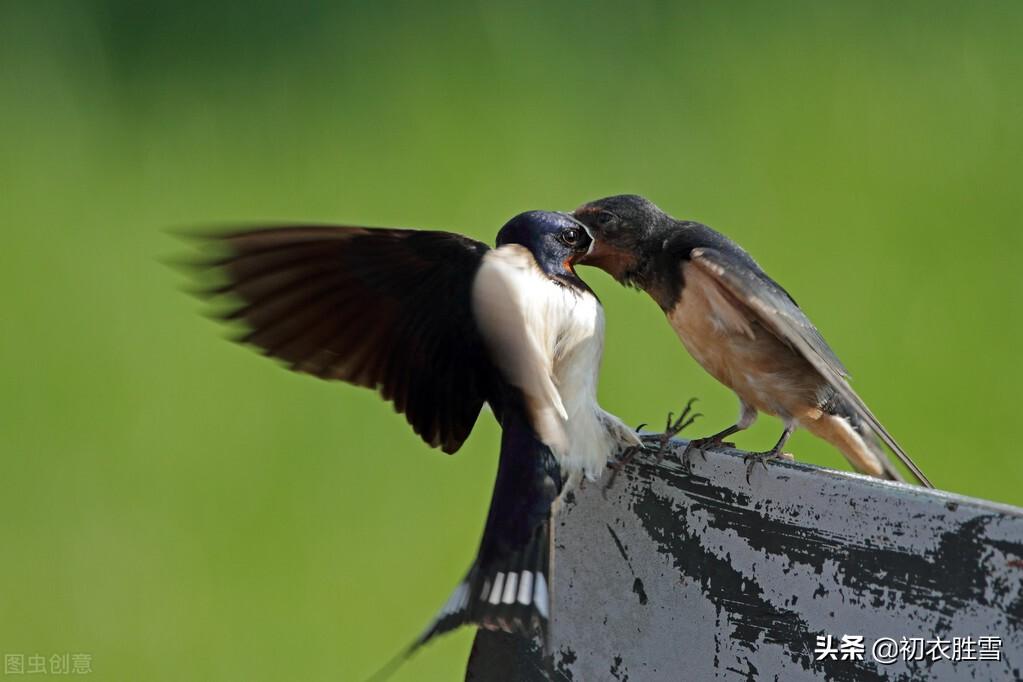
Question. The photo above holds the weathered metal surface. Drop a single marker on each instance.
(707, 577)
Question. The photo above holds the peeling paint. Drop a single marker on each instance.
(639, 591)
(706, 576)
(618, 671)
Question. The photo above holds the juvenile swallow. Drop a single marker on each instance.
(440, 324)
(742, 327)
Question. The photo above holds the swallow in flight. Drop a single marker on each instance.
(742, 327)
(440, 324)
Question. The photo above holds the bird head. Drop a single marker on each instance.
(621, 227)
(557, 240)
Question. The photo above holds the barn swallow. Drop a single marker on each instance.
(440, 324)
(742, 327)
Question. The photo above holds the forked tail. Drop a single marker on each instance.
(508, 586)
(511, 594)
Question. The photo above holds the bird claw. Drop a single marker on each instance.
(686, 418)
(617, 466)
(673, 427)
(697, 445)
(653, 444)
(762, 458)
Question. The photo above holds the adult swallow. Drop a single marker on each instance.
(742, 327)
(440, 324)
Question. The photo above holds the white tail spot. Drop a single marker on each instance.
(495, 594)
(542, 598)
(509, 588)
(526, 588)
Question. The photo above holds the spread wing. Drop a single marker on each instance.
(779, 313)
(387, 309)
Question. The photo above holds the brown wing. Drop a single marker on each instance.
(779, 313)
(388, 309)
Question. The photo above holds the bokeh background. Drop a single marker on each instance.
(180, 508)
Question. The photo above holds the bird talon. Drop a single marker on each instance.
(684, 419)
(673, 427)
(617, 466)
(686, 458)
(762, 458)
(656, 444)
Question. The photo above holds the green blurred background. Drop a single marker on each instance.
(180, 508)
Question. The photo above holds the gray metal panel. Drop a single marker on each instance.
(708, 577)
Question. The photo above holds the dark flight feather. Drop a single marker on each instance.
(388, 309)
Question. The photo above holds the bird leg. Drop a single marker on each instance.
(753, 458)
(747, 415)
(699, 444)
(672, 428)
(624, 459)
(656, 444)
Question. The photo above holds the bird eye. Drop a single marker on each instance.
(605, 218)
(571, 236)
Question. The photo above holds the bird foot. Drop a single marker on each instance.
(762, 458)
(699, 446)
(695, 445)
(623, 459)
(672, 428)
(627, 455)
(652, 444)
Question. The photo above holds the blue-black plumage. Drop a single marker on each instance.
(440, 324)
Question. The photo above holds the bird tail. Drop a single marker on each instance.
(508, 585)
(843, 427)
(511, 594)
(873, 445)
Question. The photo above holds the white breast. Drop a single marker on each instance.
(576, 369)
(547, 339)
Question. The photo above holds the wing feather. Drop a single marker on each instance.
(387, 309)
(778, 312)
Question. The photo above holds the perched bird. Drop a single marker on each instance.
(440, 324)
(741, 326)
